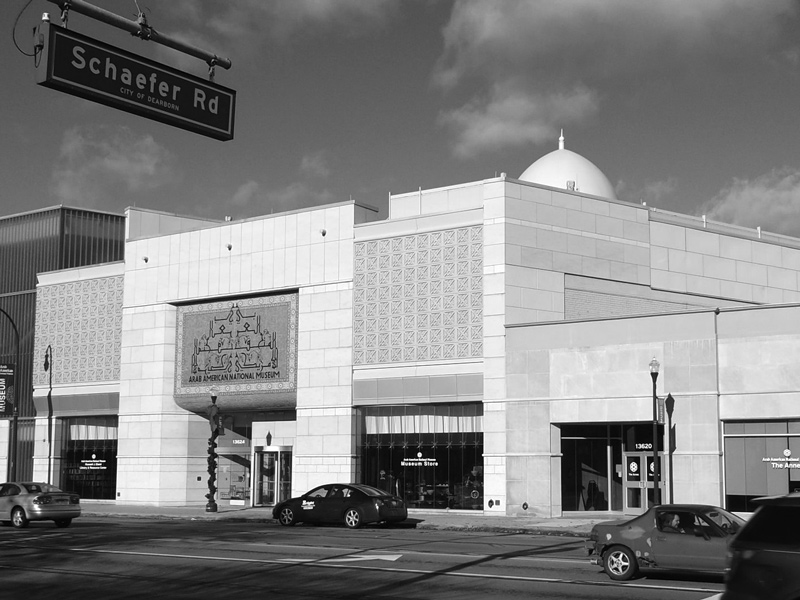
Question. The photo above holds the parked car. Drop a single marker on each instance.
(764, 558)
(678, 537)
(353, 504)
(23, 502)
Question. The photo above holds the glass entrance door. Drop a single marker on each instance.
(273, 477)
(638, 481)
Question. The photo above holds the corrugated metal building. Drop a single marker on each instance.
(39, 241)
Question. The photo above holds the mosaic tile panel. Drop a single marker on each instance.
(419, 297)
(244, 346)
(82, 322)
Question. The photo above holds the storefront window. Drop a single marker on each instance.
(762, 458)
(89, 458)
(588, 482)
(430, 455)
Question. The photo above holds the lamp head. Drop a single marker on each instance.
(670, 404)
(654, 365)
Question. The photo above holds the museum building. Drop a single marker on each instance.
(488, 346)
(32, 242)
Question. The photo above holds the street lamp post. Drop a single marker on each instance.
(214, 422)
(12, 439)
(654, 365)
(49, 365)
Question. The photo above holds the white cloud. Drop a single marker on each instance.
(97, 164)
(252, 198)
(512, 117)
(592, 40)
(547, 50)
(283, 18)
(245, 24)
(771, 201)
(315, 165)
(653, 193)
(296, 195)
(245, 194)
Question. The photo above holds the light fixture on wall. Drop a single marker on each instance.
(145, 259)
(229, 246)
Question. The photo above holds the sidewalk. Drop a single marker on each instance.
(577, 526)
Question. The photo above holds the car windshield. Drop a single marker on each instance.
(35, 488)
(727, 521)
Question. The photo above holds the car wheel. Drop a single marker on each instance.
(352, 518)
(620, 563)
(18, 518)
(63, 522)
(286, 516)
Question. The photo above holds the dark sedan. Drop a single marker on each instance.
(23, 502)
(353, 504)
(678, 537)
(765, 555)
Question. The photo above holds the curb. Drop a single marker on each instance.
(414, 524)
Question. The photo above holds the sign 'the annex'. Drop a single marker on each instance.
(83, 67)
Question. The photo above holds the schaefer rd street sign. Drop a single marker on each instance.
(87, 68)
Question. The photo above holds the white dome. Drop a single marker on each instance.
(570, 171)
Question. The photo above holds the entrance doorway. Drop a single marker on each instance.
(602, 467)
(233, 479)
(273, 477)
(639, 489)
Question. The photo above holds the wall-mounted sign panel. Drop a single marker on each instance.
(245, 348)
(83, 67)
(6, 390)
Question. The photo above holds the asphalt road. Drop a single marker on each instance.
(99, 558)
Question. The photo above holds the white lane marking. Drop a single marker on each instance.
(405, 551)
(331, 565)
(343, 559)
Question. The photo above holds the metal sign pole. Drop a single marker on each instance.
(140, 29)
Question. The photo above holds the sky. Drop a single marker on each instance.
(691, 106)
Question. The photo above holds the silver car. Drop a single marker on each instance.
(23, 502)
(679, 537)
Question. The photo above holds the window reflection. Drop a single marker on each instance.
(431, 456)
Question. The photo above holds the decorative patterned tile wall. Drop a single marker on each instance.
(82, 322)
(419, 297)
